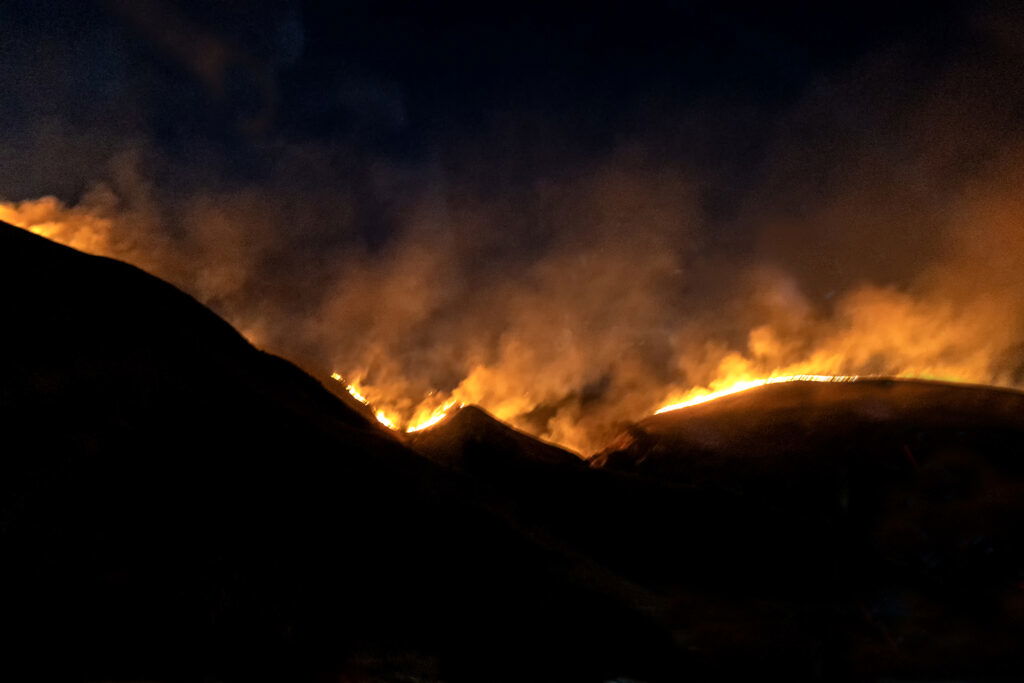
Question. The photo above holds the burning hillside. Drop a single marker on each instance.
(548, 374)
(423, 418)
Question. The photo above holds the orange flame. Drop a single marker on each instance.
(703, 395)
(423, 419)
(437, 415)
(385, 420)
(355, 392)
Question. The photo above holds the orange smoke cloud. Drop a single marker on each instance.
(78, 228)
(597, 331)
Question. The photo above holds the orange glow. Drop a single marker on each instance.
(385, 420)
(353, 390)
(700, 395)
(422, 419)
(49, 218)
(437, 415)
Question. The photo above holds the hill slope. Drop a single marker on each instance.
(786, 419)
(176, 502)
(471, 439)
(875, 523)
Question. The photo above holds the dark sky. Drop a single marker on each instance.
(532, 87)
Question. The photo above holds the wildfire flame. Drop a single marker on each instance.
(434, 417)
(423, 419)
(383, 418)
(352, 389)
(699, 396)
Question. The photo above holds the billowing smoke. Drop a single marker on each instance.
(880, 231)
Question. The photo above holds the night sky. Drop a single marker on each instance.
(510, 93)
(567, 212)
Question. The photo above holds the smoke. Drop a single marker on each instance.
(879, 230)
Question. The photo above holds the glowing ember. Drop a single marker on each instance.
(751, 384)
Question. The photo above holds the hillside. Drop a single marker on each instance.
(472, 439)
(876, 522)
(176, 503)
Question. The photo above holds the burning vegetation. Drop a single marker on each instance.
(588, 338)
(423, 419)
(697, 396)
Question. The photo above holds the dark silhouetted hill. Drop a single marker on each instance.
(826, 531)
(875, 524)
(178, 504)
(471, 439)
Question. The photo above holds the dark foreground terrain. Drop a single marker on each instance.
(875, 524)
(177, 505)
